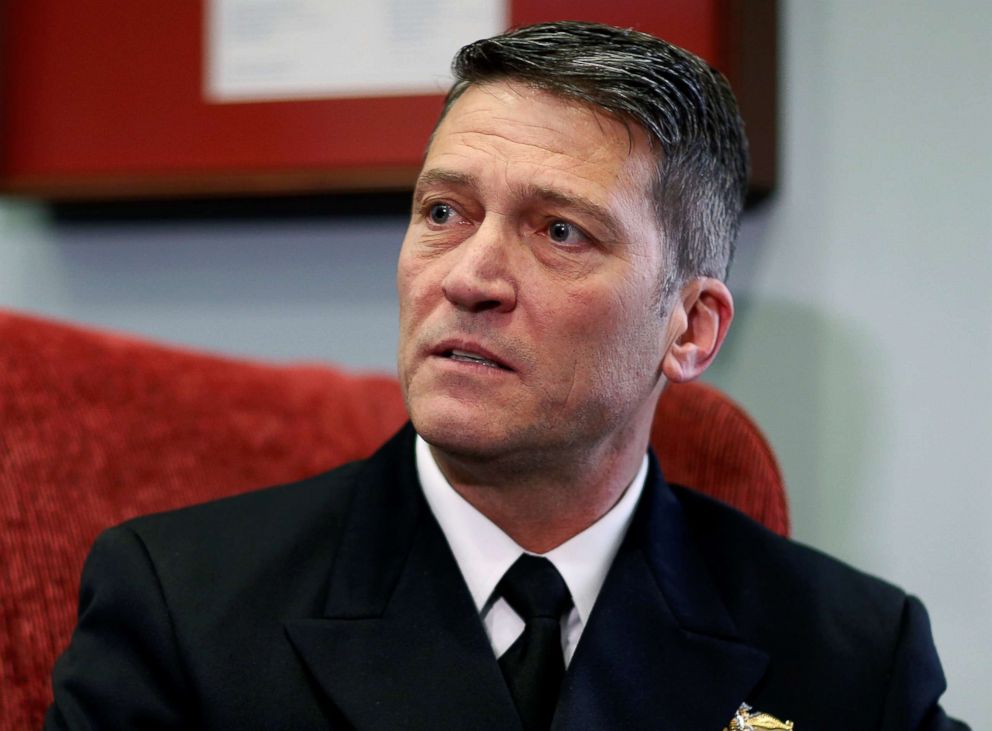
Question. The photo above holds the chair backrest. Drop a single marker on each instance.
(96, 428)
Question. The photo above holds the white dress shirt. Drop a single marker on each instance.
(484, 553)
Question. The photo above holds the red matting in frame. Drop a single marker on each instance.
(104, 99)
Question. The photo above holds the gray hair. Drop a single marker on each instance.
(684, 104)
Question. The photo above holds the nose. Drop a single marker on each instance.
(481, 278)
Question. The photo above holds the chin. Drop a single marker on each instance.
(458, 428)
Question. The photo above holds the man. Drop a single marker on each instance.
(514, 558)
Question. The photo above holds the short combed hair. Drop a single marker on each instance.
(685, 105)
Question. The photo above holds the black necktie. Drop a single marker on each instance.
(534, 666)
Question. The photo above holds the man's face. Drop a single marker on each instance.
(529, 279)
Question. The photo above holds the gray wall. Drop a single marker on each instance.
(271, 289)
(864, 337)
(863, 342)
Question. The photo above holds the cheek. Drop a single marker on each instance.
(412, 284)
(586, 342)
(405, 270)
(625, 343)
(409, 289)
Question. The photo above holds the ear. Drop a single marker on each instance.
(698, 324)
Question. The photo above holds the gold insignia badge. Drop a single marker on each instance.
(745, 720)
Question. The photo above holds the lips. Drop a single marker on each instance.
(466, 357)
(471, 353)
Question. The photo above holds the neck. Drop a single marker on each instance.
(542, 503)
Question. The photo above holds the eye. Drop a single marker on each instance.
(563, 232)
(440, 213)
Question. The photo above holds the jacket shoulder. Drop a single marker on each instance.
(736, 545)
(824, 624)
(192, 603)
(793, 599)
(266, 514)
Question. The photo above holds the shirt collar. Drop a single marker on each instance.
(484, 552)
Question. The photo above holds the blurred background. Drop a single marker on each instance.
(863, 340)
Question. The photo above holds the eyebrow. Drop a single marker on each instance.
(437, 176)
(601, 214)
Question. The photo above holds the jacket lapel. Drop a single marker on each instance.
(660, 650)
(400, 644)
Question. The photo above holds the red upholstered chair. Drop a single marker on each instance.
(96, 428)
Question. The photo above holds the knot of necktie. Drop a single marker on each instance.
(534, 588)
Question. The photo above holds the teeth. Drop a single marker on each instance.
(472, 358)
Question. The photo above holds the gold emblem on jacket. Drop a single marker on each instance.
(745, 720)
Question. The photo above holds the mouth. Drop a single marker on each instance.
(473, 355)
(466, 357)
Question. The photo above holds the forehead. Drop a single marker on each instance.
(513, 133)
